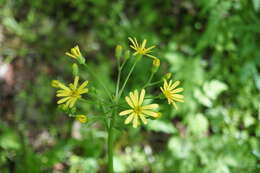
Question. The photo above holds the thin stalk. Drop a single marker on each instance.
(149, 80)
(118, 77)
(154, 83)
(128, 76)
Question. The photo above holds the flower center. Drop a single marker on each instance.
(137, 109)
(74, 94)
(167, 93)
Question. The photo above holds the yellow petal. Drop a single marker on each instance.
(177, 99)
(150, 113)
(136, 43)
(151, 106)
(142, 117)
(149, 49)
(134, 97)
(73, 101)
(177, 90)
(76, 81)
(126, 112)
(143, 44)
(64, 87)
(128, 100)
(178, 96)
(151, 56)
(174, 85)
(70, 55)
(63, 94)
(83, 85)
(133, 47)
(82, 91)
(129, 118)
(77, 50)
(132, 41)
(74, 51)
(141, 98)
(63, 100)
(135, 122)
(68, 103)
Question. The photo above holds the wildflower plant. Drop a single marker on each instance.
(118, 103)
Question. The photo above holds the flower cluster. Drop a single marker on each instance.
(138, 112)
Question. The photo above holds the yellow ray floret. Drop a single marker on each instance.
(140, 49)
(74, 52)
(138, 111)
(171, 93)
(71, 93)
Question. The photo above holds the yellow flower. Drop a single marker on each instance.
(74, 52)
(140, 49)
(170, 92)
(82, 118)
(72, 93)
(138, 111)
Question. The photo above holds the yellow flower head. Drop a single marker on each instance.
(82, 118)
(170, 92)
(76, 54)
(140, 49)
(138, 111)
(72, 93)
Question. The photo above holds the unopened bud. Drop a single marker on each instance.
(75, 69)
(156, 64)
(127, 54)
(167, 76)
(118, 51)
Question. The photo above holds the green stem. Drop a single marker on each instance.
(110, 144)
(128, 76)
(154, 83)
(149, 80)
(118, 77)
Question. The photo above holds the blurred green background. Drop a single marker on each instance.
(212, 46)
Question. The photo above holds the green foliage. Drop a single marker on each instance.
(211, 46)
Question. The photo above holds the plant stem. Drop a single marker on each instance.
(128, 76)
(149, 80)
(110, 144)
(118, 77)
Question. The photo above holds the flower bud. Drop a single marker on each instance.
(156, 65)
(75, 69)
(82, 118)
(118, 51)
(167, 76)
(127, 54)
